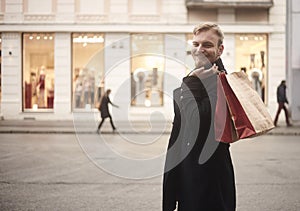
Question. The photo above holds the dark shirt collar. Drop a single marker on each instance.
(220, 65)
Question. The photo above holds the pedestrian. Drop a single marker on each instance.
(199, 172)
(281, 100)
(104, 110)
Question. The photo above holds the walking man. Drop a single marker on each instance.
(103, 108)
(282, 99)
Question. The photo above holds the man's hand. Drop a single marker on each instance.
(202, 73)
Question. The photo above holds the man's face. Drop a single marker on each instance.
(205, 48)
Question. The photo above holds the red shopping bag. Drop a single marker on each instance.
(240, 113)
(224, 128)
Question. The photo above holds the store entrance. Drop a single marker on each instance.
(38, 71)
(251, 58)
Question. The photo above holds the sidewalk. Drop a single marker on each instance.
(69, 127)
(133, 127)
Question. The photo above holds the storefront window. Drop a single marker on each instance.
(38, 71)
(88, 69)
(147, 70)
(251, 57)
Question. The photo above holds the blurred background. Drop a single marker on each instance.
(59, 56)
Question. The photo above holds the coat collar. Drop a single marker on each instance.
(220, 65)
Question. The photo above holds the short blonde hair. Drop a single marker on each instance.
(210, 26)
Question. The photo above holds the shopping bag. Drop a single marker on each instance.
(245, 114)
(224, 127)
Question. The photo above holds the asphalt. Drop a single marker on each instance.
(132, 127)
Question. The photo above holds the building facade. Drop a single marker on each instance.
(293, 56)
(59, 56)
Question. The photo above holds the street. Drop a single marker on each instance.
(66, 172)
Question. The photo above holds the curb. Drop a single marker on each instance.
(279, 133)
(139, 128)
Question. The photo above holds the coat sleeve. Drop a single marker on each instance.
(177, 118)
(170, 180)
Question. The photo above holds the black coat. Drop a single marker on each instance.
(103, 108)
(281, 94)
(198, 170)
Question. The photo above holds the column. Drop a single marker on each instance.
(11, 104)
(63, 79)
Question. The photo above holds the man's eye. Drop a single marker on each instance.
(195, 44)
(207, 45)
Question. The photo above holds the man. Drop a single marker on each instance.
(104, 110)
(282, 99)
(198, 170)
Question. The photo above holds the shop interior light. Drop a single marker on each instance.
(30, 37)
(45, 37)
(147, 103)
(100, 39)
(38, 37)
(252, 37)
(86, 39)
(35, 107)
(50, 37)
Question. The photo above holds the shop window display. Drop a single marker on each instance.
(38, 71)
(251, 57)
(88, 69)
(147, 70)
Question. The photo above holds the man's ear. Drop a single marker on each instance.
(220, 49)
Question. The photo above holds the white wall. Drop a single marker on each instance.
(63, 79)
(294, 59)
(276, 69)
(277, 54)
(228, 56)
(11, 102)
(13, 11)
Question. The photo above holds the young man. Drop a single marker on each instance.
(282, 99)
(104, 110)
(198, 170)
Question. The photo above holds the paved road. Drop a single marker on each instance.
(69, 172)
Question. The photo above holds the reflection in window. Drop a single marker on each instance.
(38, 70)
(88, 69)
(251, 57)
(147, 70)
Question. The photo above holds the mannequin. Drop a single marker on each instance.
(41, 86)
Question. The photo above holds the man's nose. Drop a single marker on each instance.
(199, 48)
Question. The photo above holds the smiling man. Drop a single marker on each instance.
(198, 170)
